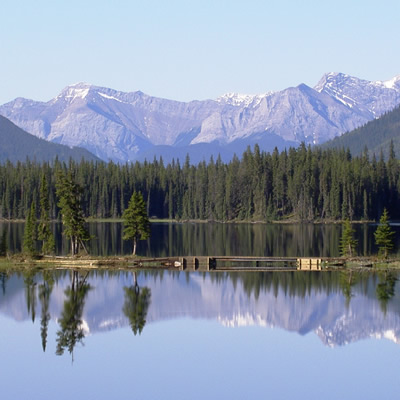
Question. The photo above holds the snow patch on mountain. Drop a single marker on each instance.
(242, 100)
(106, 96)
(75, 91)
(393, 83)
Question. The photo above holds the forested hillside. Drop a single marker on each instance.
(302, 183)
(18, 145)
(375, 135)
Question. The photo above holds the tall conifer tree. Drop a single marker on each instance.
(44, 231)
(136, 221)
(69, 194)
(30, 232)
(348, 243)
(384, 235)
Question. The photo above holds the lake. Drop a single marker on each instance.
(214, 239)
(191, 335)
(217, 335)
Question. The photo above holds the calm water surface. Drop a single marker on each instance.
(184, 239)
(178, 335)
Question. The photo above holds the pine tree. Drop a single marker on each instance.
(347, 242)
(69, 194)
(44, 231)
(384, 235)
(136, 221)
(30, 232)
(3, 243)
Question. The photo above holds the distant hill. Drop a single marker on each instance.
(376, 135)
(18, 145)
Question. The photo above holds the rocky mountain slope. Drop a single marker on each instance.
(128, 126)
(18, 145)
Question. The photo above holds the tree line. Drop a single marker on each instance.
(303, 183)
(68, 192)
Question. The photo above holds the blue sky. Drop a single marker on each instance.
(186, 50)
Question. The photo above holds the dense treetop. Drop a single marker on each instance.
(303, 184)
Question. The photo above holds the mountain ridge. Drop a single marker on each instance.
(122, 126)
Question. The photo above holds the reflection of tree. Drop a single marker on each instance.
(291, 283)
(45, 290)
(30, 293)
(385, 290)
(3, 280)
(347, 280)
(71, 330)
(136, 305)
(3, 243)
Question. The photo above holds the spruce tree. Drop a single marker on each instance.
(30, 233)
(384, 235)
(347, 242)
(69, 195)
(136, 220)
(44, 231)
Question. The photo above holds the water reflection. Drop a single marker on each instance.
(385, 290)
(3, 282)
(136, 305)
(339, 307)
(45, 289)
(172, 239)
(72, 329)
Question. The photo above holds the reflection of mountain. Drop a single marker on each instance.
(300, 303)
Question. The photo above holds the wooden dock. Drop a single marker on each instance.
(200, 263)
(233, 263)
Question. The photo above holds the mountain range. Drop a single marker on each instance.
(122, 127)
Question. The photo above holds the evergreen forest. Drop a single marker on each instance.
(303, 184)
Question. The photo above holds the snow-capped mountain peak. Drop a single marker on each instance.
(338, 81)
(334, 81)
(242, 100)
(368, 98)
(393, 83)
(76, 91)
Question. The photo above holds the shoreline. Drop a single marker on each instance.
(207, 221)
(18, 262)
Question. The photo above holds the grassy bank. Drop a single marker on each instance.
(21, 263)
